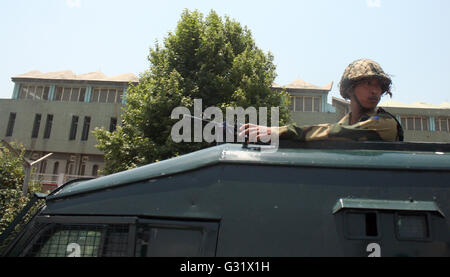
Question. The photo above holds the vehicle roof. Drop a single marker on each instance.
(353, 157)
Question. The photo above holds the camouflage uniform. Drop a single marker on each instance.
(374, 125)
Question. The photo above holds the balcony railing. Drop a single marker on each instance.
(56, 180)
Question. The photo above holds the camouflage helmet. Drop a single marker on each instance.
(362, 69)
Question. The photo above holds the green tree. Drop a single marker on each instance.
(210, 58)
(12, 199)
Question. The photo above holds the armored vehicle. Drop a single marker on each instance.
(308, 199)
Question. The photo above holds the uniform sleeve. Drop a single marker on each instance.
(376, 128)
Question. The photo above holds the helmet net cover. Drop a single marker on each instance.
(360, 70)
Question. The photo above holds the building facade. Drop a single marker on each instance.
(56, 113)
(309, 103)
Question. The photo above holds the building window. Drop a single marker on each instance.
(55, 168)
(86, 124)
(106, 95)
(36, 125)
(298, 104)
(72, 94)
(95, 170)
(58, 94)
(70, 169)
(11, 122)
(34, 92)
(291, 105)
(48, 126)
(43, 167)
(442, 124)
(112, 124)
(73, 128)
(82, 170)
(306, 104)
(414, 123)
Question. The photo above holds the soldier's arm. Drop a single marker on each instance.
(376, 128)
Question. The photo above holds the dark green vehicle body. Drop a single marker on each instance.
(235, 200)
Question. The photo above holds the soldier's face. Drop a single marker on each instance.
(368, 92)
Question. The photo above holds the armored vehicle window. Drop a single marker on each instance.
(176, 239)
(360, 225)
(92, 236)
(412, 226)
(83, 240)
(154, 242)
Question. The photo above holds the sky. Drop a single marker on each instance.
(310, 40)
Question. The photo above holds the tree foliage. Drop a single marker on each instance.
(208, 58)
(11, 180)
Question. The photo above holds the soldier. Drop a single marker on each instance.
(363, 83)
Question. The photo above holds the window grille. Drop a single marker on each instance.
(72, 94)
(105, 95)
(305, 104)
(414, 123)
(34, 92)
(66, 94)
(291, 105)
(308, 102)
(442, 124)
(89, 236)
(82, 240)
(299, 104)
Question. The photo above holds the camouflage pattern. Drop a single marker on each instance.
(373, 126)
(361, 69)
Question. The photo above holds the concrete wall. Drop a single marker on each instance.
(427, 136)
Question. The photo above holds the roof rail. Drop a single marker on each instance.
(369, 145)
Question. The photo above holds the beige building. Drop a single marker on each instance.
(55, 113)
(309, 103)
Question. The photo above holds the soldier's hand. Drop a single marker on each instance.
(256, 132)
